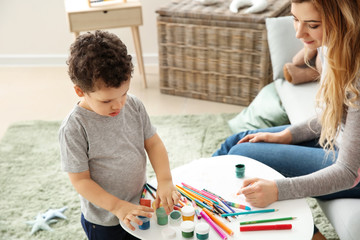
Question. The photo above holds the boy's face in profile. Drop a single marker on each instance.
(104, 101)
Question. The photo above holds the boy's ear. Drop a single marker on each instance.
(78, 91)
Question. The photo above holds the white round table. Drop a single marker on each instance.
(217, 174)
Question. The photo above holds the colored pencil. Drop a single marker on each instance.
(267, 220)
(218, 222)
(216, 196)
(185, 195)
(208, 195)
(196, 209)
(266, 227)
(227, 206)
(198, 193)
(149, 190)
(202, 205)
(199, 203)
(249, 212)
(220, 211)
(213, 225)
(187, 186)
(151, 187)
(237, 205)
(194, 195)
(143, 194)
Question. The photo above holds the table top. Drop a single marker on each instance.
(217, 174)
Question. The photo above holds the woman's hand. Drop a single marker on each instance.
(259, 192)
(283, 137)
(167, 195)
(128, 212)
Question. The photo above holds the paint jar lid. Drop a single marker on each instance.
(188, 211)
(168, 233)
(202, 228)
(187, 226)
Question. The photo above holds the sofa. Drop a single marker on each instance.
(280, 103)
(298, 102)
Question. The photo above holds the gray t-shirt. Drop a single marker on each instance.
(112, 149)
(343, 174)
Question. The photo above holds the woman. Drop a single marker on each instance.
(320, 157)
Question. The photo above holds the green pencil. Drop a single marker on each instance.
(267, 220)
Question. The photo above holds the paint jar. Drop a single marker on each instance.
(162, 217)
(240, 170)
(175, 217)
(145, 202)
(202, 231)
(146, 223)
(188, 213)
(187, 229)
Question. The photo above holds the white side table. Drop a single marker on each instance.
(217, 174)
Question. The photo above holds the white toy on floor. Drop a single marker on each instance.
(256, 5)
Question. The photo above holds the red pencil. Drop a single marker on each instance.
(266, 227)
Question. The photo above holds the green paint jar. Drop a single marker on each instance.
(240, 170)
(175, 217)
(162, 217)
(187, 229)
(202, 231)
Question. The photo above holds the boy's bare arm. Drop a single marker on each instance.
(94, 193)
(166, 193)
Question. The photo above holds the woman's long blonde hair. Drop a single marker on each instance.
(339, 89)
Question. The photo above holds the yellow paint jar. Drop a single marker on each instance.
(188, 213)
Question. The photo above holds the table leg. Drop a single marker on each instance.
(139, 56)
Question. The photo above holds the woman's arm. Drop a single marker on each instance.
(343, 174)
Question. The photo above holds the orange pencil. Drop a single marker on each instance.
(218, 222)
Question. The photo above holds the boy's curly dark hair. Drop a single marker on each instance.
(99, 56)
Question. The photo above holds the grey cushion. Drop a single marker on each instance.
(298, 100)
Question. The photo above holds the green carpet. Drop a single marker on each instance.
(32, 182)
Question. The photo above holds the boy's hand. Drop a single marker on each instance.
(167, 195)
(128, 213)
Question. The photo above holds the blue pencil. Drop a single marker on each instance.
(224, 202)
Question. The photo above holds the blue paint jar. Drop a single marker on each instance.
(146, 223)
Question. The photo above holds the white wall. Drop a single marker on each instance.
(36, 32)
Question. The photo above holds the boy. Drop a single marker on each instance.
(102, 140)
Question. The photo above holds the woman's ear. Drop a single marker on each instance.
(78, 91)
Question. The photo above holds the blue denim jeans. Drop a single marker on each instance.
(289, 160)
(98, 232)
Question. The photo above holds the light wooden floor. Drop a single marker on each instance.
(46, 93)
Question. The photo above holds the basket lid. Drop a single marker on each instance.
(220, 11)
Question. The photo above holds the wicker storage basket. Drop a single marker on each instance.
(210, 53)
